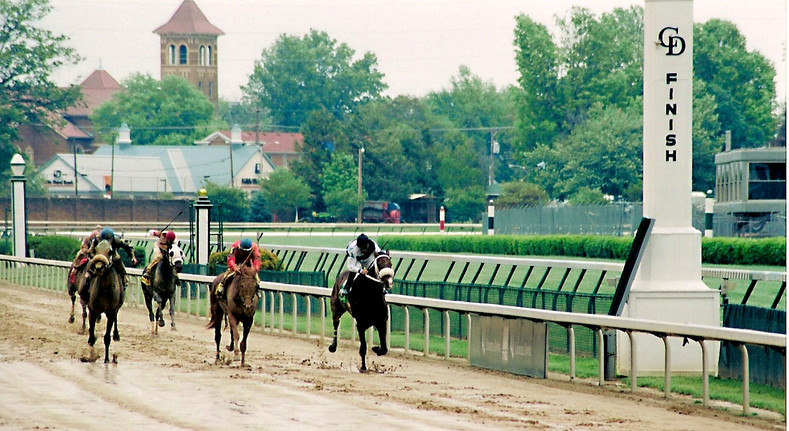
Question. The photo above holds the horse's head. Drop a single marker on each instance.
(383, 271)
(176, 257)
(101, 260)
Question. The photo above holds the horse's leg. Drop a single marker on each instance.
(111, 319)
(172, 315)
(159, 314)
(337, 311)
(84, 316)
(148, 293)
(233, 333)
(92, 330)
(116, 336)
(243, 344)
(362, 348)
(381, 349)
(72, 293)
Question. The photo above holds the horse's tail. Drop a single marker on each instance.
(215, 319)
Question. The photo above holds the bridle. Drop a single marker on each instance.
(381, 272)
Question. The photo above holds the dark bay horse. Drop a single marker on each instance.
(164, 279)
(239, 304)
(73, 285)
(103, 293)
(366, 303)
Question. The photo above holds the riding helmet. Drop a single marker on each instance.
(170, 236)
(363, 242)
(246, 244)
(106, 234)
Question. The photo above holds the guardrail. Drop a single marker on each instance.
(50, 274)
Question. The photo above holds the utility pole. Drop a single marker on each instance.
(76, 189)
(493, 150)
(361, 196)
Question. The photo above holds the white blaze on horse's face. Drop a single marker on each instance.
(176, 256)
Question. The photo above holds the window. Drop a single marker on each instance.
(202, 55)
(210, 56)
(200, 85)
(182, 54)
(210, 89)
(766, 181)
(171, 55)
(257, 168)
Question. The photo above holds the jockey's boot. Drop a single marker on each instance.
(220, 289)
(145, 279)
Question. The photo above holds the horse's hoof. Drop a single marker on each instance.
(71, 319)
(363, 370)
(116, 337)
(161, 323)
(380, 351)
(333, 348)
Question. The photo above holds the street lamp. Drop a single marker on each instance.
(361, 197)
(18, 205)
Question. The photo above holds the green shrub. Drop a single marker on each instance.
(740, 251)
(54, 247)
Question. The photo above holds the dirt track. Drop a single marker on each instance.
(171, 382)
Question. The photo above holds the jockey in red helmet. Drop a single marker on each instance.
(242, 252)
(166, 241)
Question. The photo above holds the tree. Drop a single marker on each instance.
(340, 190)
(167, 112)
(519, 193)
(284, 192)
(465, 204)
(741, 82)
(297, 76)
(259, 209)
(323, 134)
(247, 115)
(587, 196)
(28, 57)
(232, 202)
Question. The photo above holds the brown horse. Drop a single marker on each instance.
(366, 302)
(103, 293)
(239, 304)
(74, 283)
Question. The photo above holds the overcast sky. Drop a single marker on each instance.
(420, 44)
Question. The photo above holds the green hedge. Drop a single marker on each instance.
(65, 248)
(739, 251)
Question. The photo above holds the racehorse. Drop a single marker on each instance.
(366, 302)
(103, 293)
(164, 279)
(73, 282)
(239, 305)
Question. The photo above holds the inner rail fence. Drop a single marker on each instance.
(192, 299)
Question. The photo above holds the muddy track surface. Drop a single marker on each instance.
(49, 379)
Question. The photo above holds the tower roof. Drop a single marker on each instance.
(188, 19)
(97, 88)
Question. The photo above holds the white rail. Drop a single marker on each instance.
(51, 275)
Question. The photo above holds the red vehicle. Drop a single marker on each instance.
(380, 212)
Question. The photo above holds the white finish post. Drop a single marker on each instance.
(19, 205)
(709, 214)
(203, 230)
(441, 218)
(491, 212)
(668, 284)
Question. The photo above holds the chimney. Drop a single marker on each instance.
(235, 135)
(124, 135)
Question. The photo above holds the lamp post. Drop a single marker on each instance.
(361, 197)
(18, 202)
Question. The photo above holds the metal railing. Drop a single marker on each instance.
(49, 274)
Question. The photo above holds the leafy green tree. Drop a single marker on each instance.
(284, 192)
(519, 193)
(741, 82)
(167, 112)
(706, 140)
(340, 188)
(299, 75)
(465, 204)
(29, 55)
(323, 134)
(232, 202)
(259, 209)
(246, 114)
(587, 196)
(538, 60)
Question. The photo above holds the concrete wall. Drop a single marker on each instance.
(95, 209)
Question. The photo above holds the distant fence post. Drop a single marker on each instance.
(709, 205)
(441, 218)
(491, 210)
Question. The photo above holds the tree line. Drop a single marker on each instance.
(569, 130)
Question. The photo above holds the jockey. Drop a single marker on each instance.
(84, 253)
(166, 241)
(361, 253)
(107, 234)
(242, 252)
